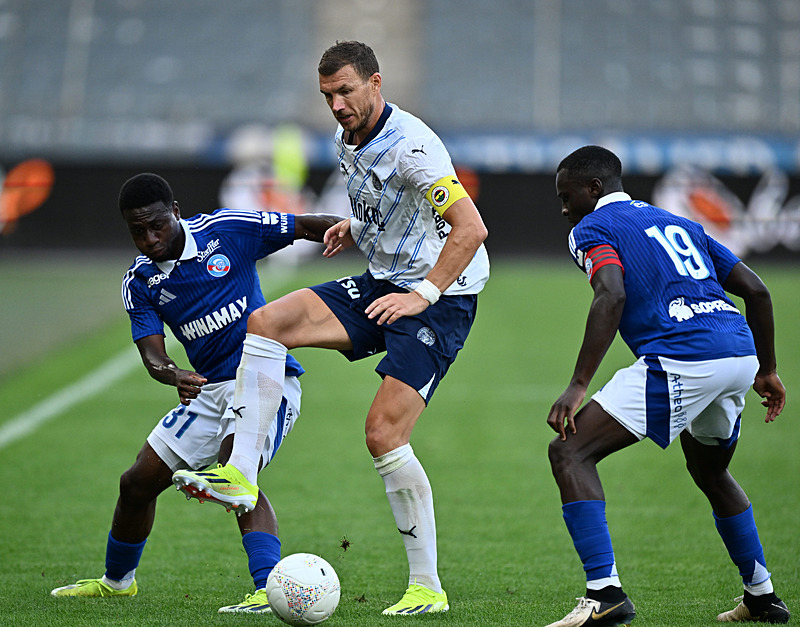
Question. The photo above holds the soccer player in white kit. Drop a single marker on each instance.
(197, 276)
(423, 238)
(661, 281)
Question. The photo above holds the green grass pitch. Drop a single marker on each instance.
(504, 554)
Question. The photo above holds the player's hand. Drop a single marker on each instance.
(564, 410)
(337, 238)
(770, 388)
(189, 385)
(393, 306)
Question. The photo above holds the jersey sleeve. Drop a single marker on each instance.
(592, 247)
(722, 258)
(143, 316)
(599, 256)
(277, 232)
(424, 163)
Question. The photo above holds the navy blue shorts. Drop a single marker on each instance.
(419, 349)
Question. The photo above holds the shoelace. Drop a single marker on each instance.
(583, 603)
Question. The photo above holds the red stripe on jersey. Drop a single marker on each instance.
(602, 255)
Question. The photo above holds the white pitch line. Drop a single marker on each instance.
(96, 381)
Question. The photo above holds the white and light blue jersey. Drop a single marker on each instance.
(206, 296)
(397, 229)
(673, 271)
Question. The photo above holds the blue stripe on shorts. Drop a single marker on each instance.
(657, 404)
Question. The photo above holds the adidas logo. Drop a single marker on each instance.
(166, 297)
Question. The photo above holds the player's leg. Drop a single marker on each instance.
(133, 519)
(733, 516)
(419, 352)
(390, 420)
(300, 318)
(574, 465)
(259, 529)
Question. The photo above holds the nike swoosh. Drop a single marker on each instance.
(595, 615)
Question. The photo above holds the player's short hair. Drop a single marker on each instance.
(143, 190)
(592, 162)
(354, 53)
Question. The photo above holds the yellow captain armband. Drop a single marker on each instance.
(445, 192)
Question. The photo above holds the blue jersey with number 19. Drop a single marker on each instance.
(206, 296)
(673, 272)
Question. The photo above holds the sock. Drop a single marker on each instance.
(263, 552)
(256, 399)
(609, 594)
(740, 536)
(411, 500)
(122, 558)
(586, 523)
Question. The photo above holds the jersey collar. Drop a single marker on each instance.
(387, 111)
(189, 250)
(612, 197)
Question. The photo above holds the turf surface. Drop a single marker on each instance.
(505, 556)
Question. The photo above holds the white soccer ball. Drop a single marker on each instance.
(303, 589)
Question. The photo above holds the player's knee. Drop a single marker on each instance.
(134, 487)
(270, 321)
(381, 440)
(560, 457)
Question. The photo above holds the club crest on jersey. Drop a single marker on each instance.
(440, 195)
(376, 182)
(218, 265)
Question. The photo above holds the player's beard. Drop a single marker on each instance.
(364, 120)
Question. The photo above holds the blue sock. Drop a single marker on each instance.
(586, 523)
(740, 536)
(263, 551)
(122, 557)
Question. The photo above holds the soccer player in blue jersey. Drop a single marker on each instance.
(198, 276)
(661, 281)
(423, 238)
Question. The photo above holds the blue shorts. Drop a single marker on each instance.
(419, 349)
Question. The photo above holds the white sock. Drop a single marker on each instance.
(765, 587)
(411, 500)
(257, 397)
(123, 584)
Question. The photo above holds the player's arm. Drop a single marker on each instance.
(312, 226)
(466, 235)
(602, 323)
(746, 284)
(161, 367)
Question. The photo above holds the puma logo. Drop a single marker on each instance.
(410, 532)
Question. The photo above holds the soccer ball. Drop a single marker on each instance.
(303, 589)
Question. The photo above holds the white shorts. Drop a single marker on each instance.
(190, 435)
(658, 397)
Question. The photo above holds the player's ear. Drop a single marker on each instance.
(595, 188)
(375, 81)
(175, 209)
